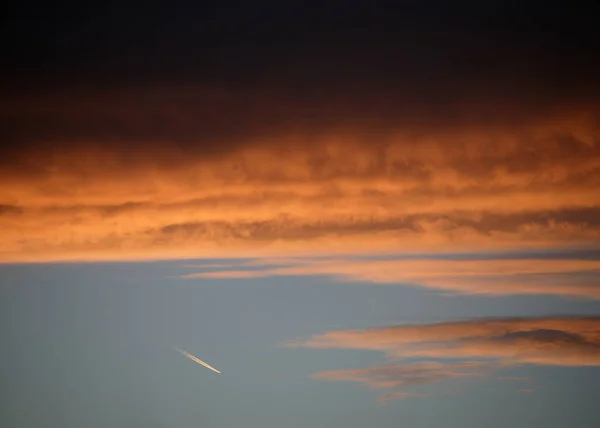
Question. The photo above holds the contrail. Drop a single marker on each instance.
(196, 359)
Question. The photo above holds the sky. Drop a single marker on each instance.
(358, 213)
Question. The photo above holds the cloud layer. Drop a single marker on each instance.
(297, 128)
(479, 346)
(193, 173)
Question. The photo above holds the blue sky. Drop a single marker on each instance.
(91, 345)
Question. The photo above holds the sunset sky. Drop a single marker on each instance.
(363, 213)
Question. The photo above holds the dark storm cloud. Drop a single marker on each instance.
(424, 51)
(206, 77)
(307, 40)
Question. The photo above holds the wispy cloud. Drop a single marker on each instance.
(393, 376)
(479, 346)
(491, 276)
(554, 341)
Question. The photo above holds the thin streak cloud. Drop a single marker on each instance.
(196, 359)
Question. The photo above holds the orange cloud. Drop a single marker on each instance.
(480, 346)
(567, 277)
(550, 341)
(397, 375)
(392, 377)
(109, 177)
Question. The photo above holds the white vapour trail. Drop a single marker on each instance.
(196, 359)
